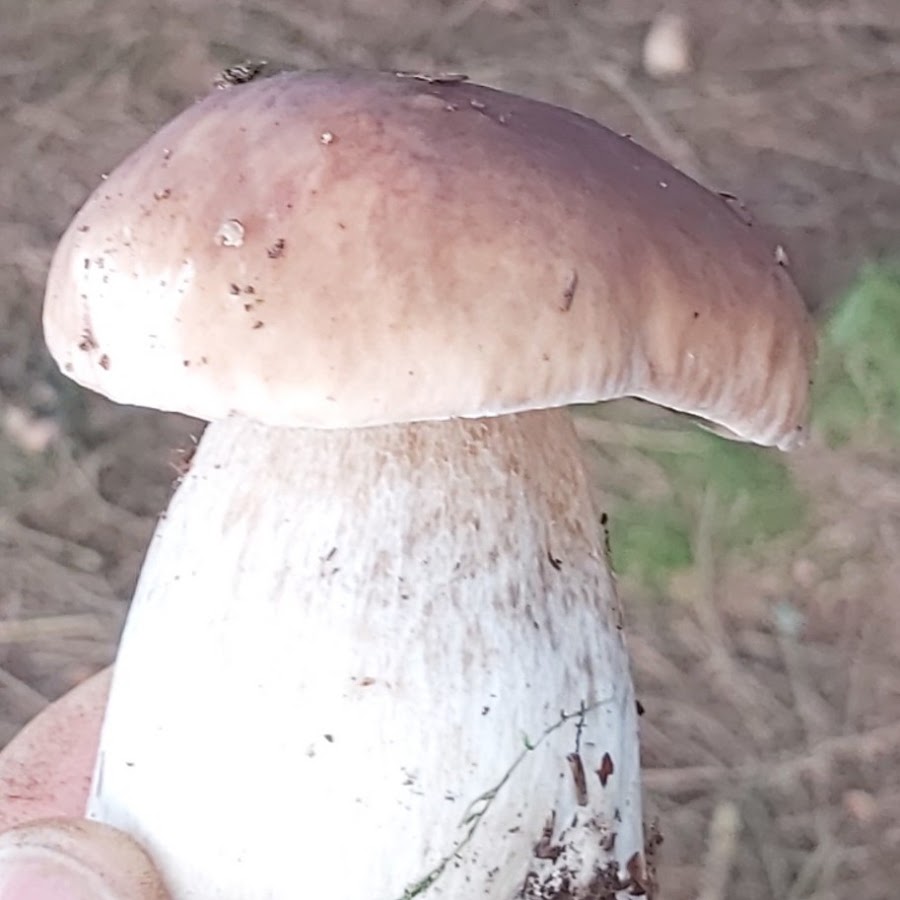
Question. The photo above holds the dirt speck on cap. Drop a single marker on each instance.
(230, 233)
(87, 342)
(241, 73)
(435, 78)
(568, 297)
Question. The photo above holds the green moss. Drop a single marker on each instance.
(857, 395)
(650, 541)
(747, 492)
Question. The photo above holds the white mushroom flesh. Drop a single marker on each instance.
(368, 665)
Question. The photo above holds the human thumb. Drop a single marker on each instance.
(75, 859)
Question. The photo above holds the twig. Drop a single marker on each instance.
(666, 435)
(838, 17)
(870, 169)
(41, 628)
(818, 867)
(60, 549)
(692, 779)
(758, 827)
(26, 700)
(804, 698)
(724, 828)
(736, 682)
(678, 151)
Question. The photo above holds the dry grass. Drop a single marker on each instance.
(770, 679)
(774, 687)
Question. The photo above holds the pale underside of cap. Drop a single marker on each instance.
(353, 249)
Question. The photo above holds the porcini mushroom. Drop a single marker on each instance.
(375, 650)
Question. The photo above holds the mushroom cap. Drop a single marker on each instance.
(352, 249)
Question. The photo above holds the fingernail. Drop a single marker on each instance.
(74, 859)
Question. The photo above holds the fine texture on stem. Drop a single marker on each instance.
(340, 646)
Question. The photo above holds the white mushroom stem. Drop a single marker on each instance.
(374, 664)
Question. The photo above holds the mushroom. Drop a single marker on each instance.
(375, 650)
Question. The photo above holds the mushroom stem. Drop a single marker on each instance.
(377, 664)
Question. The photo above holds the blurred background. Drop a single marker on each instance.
(761, 589)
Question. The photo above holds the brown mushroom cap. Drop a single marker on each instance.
(341, 250)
